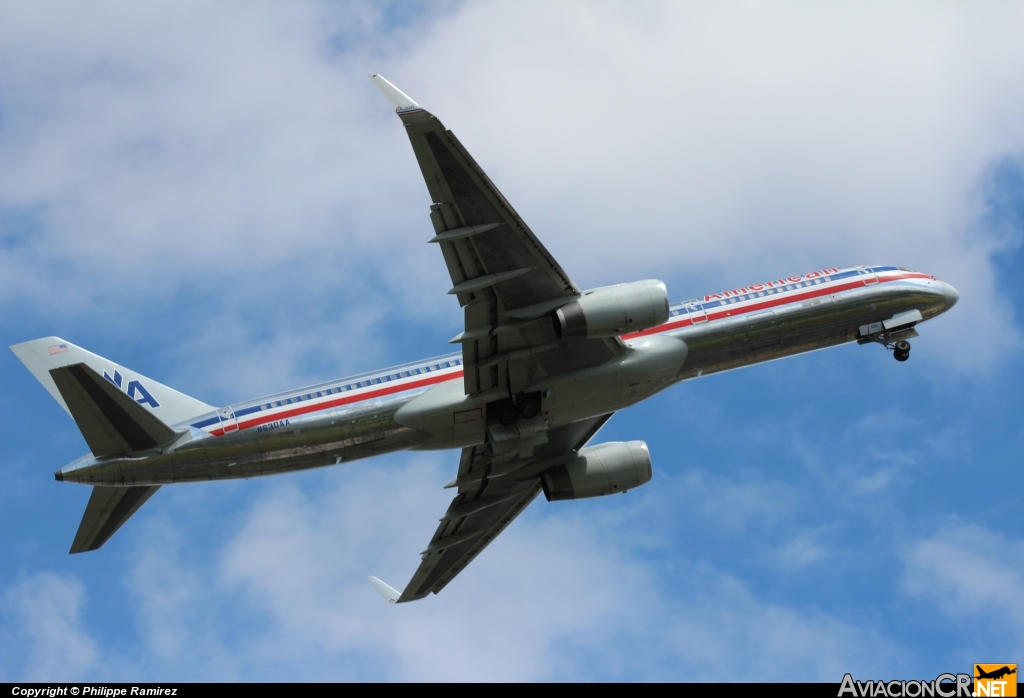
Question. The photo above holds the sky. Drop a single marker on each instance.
(215, 195)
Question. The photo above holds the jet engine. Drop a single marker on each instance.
(599, 470)
(613, 310)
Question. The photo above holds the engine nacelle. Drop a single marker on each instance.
(598, 470)
(613, 310)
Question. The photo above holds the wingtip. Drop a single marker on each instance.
(390, 595)
(402, 102)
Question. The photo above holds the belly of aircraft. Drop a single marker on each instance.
(444, 417)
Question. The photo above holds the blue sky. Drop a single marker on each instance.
(216, 196)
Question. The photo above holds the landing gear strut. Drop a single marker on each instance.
(507, 411)
(900, 347)
(507, 414)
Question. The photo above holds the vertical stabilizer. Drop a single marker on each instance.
(41, 356)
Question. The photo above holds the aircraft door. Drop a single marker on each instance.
(228, 422)
(869, 276)
(697, 314)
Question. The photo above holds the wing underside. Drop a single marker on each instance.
(496, 482)
(509, 286)
(505, 279)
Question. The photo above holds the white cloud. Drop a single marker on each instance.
(970, 571)
(562, 594)
(43, 637)
(188, 146)
(803, 550)
(975, 576)
(225, 179)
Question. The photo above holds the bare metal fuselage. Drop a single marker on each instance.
(360, 417)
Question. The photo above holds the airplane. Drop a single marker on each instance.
(995, 674)
(541, 366)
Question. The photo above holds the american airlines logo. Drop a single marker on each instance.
(777, 283)
(135, 389)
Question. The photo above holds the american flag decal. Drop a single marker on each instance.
(58, 349)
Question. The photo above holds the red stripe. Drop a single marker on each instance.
(775, 301)
(767, 303)
(306, 409)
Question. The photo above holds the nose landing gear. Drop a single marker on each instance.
(901, 350)
(894, 341)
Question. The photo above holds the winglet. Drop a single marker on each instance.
(402, 102)
(389, 594)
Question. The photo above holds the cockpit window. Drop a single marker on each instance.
(905, 269)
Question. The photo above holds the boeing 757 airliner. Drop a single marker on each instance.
(541, 366)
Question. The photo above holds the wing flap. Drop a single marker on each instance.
(108, 509)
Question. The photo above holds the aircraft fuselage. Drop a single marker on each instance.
(424, 406)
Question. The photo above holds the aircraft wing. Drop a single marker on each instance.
(496, 482)
(504, 278)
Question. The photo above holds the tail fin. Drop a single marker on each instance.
(139, 409)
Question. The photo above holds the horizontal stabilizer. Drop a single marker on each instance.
(108, 508)
(390, 595)
(111, 422)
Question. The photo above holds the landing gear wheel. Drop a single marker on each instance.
(529, 409)
(507, 415)
(901, 352)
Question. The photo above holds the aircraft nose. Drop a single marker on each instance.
(950, 293)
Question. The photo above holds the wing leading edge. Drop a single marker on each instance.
(505, 279)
